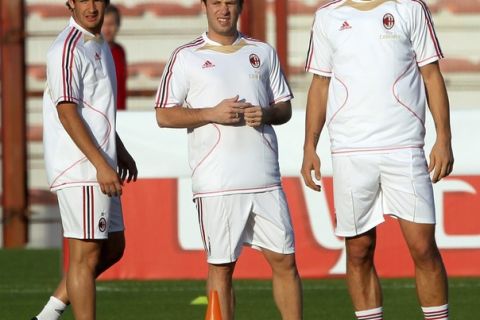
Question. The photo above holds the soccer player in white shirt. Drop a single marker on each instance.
(374, 65)
(228, 90)
(86, 160)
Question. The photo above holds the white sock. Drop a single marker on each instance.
(370, 314)
(436, 313)
(52, 310)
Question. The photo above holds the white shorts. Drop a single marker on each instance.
(87, 213)
(367, 186)
(259, 220)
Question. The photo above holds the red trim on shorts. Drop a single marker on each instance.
(84, 215)
(93, 211)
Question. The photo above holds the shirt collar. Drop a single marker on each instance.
(214, 43)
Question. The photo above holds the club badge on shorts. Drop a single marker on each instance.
(102, 224)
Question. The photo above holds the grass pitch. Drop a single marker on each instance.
(28, 277)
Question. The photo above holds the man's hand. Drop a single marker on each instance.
(253, 116)
(126, 167)
(441, 160)
(229, 111)
(109, 181)
(311, 162)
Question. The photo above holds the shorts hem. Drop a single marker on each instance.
(259, 247)
(221, 261)
(348, 234)
(73, 236)
(116, 230)
(414, 220)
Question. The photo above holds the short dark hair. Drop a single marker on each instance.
(107, 2)
(111, 9)
(240, 3)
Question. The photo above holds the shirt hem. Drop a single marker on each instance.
(339, 152)
(73, 184)
(235, 191)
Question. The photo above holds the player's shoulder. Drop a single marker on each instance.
(265, 46)
(69, 40)
(327, 7)
(189, 47)
(325, 11)
(413, 4)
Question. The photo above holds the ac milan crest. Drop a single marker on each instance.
(388, 21)
(254, 60)
(102, 224)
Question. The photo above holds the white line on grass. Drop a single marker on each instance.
(130, 287)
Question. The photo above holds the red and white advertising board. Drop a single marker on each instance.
(163, 240)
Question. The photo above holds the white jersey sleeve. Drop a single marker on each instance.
(64, 67)
(173, 87)
(280, 91)
(319, 57)
(423, 37)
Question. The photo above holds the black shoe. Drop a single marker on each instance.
(34, 318)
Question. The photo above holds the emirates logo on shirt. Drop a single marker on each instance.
(345, 26)
(388, 21)
(254, 60)
(208, 64)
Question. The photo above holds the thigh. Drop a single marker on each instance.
(420, 239)
(269, 226)
(407, 187)
(222, 221)
(356, 183)
(86, 212)
(84, 251)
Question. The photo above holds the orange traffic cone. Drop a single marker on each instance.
(213, 309)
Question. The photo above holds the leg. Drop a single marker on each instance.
(72, 202)
(430, 274)
(220, 279)
(84, 259)
(363, 283)
(287, 287)
(111, 252)
(61, 292)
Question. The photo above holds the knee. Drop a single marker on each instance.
(424, 252)
(360, 252)
(224, 271)
(283, 264)
(89, 260)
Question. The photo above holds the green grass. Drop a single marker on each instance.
(27, 278)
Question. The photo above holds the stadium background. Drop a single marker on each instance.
(163, 240)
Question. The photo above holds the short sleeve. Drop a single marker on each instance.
(173, 87)
(424, 40)
(319, 56)
(280, 90)
(64, 69)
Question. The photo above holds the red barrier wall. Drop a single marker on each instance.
(153, 250)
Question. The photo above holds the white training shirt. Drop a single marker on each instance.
(372, 51)
(80, 70)
(227, 159)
